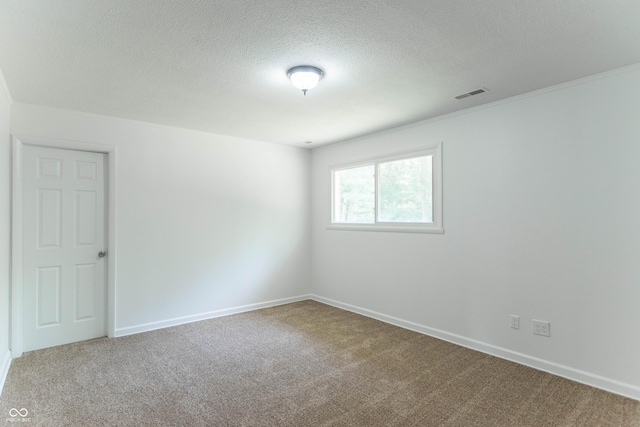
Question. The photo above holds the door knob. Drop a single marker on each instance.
(102, 254)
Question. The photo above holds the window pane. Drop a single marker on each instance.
(354, 195)
(405, 190)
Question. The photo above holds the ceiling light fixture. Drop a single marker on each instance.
(305, 77)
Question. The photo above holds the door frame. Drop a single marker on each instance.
(17, 229)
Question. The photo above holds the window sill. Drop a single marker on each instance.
(385, 228)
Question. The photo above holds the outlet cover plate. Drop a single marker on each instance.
(515, 321)
(541, 327)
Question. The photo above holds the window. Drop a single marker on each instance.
(396, 193)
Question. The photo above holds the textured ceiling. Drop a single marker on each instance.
(220, 66)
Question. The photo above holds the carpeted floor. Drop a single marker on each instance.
(301, 364)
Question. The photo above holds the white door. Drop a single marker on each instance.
(64, 291)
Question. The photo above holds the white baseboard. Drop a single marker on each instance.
(146, 327)
(5, 363)
(607, 384)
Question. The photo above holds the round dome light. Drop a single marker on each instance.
(305, 77)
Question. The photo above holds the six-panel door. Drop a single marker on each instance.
(64, 291)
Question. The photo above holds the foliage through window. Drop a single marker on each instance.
(399, 193)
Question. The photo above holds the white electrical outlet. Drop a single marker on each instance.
(515, 321)
(541, 327)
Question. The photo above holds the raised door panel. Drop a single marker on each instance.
(49, 168)
(49, 218)
(48, 296)
(85, 218)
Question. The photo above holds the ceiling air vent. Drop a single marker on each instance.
(473, 92)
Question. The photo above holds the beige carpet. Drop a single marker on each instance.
(301, 364)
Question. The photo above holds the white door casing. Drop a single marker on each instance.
(64, 292)
(21, 143)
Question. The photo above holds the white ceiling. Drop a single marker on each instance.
(220, 65)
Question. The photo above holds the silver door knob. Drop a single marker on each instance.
(102, 254)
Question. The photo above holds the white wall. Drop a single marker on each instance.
(5, 227)
(541, 218)
(204, 222)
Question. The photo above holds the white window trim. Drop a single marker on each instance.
(434, 227)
